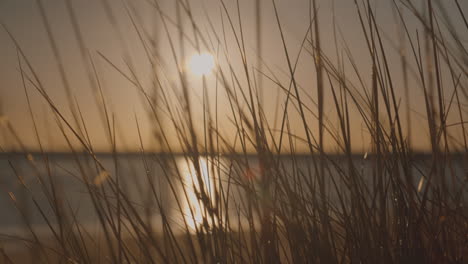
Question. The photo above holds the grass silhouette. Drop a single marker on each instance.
(273, 203)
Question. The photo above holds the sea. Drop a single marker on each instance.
(30, 183)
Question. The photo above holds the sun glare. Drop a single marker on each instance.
(201, 64)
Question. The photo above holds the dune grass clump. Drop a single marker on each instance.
(266, 191)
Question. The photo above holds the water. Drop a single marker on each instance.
(143, 176)
(140, 178)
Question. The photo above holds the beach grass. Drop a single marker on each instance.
(283, 197)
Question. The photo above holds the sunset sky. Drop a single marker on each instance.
(120, 43)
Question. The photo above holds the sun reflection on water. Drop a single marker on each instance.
(198, 193)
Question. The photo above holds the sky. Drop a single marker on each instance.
(109, 35)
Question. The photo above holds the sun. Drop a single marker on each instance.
(201, 64)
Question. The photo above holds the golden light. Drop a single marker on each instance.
(194, 210)
(201, 64)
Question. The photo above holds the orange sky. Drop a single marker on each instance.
(23, 20)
